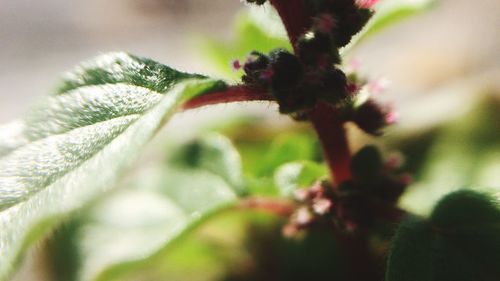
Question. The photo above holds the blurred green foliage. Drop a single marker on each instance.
(461, 153)
(459, 242)
(250, 36)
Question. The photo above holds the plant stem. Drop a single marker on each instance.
(328, 125)
(331, 133)
(283, 208)
(237, 93)
(361, 264)
(294, 15)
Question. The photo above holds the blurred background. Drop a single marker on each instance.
(453, 43)
(41, 39)
(441, 65)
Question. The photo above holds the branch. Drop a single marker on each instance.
(325, 119)
(294, 15)
(279, 207)
(331, 133)
(237, 93)
(361, 263)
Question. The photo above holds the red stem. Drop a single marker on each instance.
(330, 129)
(278, 207)
(232, 94)
(294, 15)
(328, 125)
(361, 264)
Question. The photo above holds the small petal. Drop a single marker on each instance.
(322, 206)
(303, 216)
(301, 194)
(366, 4)
(236, 65)
(391, 117)
(378, 86)
(290, 230)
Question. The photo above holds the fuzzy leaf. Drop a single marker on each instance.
(460, 242)
(11, 136)
(79, 140)
(138, 223)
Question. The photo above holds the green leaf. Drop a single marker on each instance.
(287, 148)
(216, 154)
(466, 209)
(387, 13)
(62, 256)
(79, 141)
(137, 224)
(265, 154)
(251, 35)
(292, 176)
(460, 242)
(410, 257)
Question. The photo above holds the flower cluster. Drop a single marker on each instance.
(295, 85)
(312, 74)
(362, 109)
(337, 19)
(370, 194)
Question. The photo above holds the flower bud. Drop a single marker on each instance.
(254, 66)
(370, 117)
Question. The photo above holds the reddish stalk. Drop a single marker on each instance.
(294, 17)
(361, 264)
(277, 207)
(331, 133)
(325, 119)
(232, 94)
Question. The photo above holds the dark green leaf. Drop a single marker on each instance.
(460, 242)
